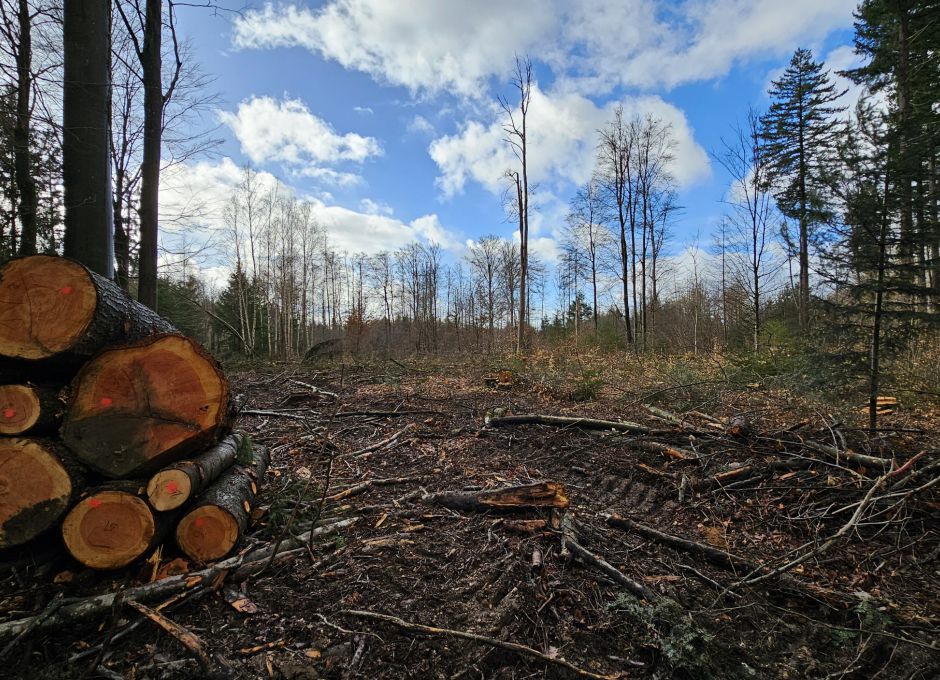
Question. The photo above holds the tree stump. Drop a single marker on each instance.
(36, 485)
(55, 308)
(138, 407)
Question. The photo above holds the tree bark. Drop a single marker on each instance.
(151, 61)
(212, 529)
(175, 485)
(53, 307)
(25, 182)
(138, 407)
(86, 166)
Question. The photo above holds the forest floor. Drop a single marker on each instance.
(864, 605)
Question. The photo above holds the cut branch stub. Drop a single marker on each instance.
(222, 514)
(138, 407)
(35, 489)
(110, 527)
(171, 487)
(53, 307)
(27, 408)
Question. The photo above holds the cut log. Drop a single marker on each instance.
(223, 512)
(36, 485)
(175, 485)
(539, 495)
(139, 407)
(28, 409)
(111, 526)
(53, 307)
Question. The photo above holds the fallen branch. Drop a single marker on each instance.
(509, 646)
(607, 568)
(368, 450)
(567, 421)
(185, 637)
(235, 567)
(368, 484)
(539, 495)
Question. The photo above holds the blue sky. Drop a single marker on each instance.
(383, 112)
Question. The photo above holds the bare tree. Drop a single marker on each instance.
(751, 207)
(516, 137)
(587, 227)
(615, 161)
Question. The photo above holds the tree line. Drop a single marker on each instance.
(830, 227)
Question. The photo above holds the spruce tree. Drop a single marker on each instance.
(899, 39)
(801, 129)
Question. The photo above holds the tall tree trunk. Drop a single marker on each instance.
(25, 183)
(151, 61)
(86, 163)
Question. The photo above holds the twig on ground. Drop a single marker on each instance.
(509, 646)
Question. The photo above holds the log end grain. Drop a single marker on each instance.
(46, 305)
(137, 407)
(207, 533)
(19, 409)
(169, 489)
(108, 529)
(35, 490)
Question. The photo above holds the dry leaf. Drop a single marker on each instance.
(173, 568)
(63, 577)
(312, 654)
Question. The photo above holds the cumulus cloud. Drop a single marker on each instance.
(562, 129)
(456, 46)
(195, 195)
(286, 131)
(433, 45)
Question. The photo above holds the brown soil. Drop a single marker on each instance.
(868, 607)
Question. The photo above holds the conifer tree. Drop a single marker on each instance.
(800, 130)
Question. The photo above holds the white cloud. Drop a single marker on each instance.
(420, 125)
(562, 130)
(456, 46)
(370, 229)
(363, 109)
(431, 45)
(286, 131)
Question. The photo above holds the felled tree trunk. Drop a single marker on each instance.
(173, 486)
(36, 484)
(539, 495)
(138, 407)
(55, 308)
(111, 526)
(28, 409)
(222, 514)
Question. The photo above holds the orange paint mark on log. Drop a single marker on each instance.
(94, 502)
(172, 487)
(65, 290)
(106, 401)
(9, 413)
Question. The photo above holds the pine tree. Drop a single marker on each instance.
(800, 129)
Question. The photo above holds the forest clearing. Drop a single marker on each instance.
(360, 339)
(370, 455)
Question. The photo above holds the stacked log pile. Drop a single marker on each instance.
(114, 427)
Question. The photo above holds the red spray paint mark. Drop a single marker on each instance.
(65, 290)
(9, 413)
(199, 521)
(172, 487)
(94, 503)
(106, 401)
